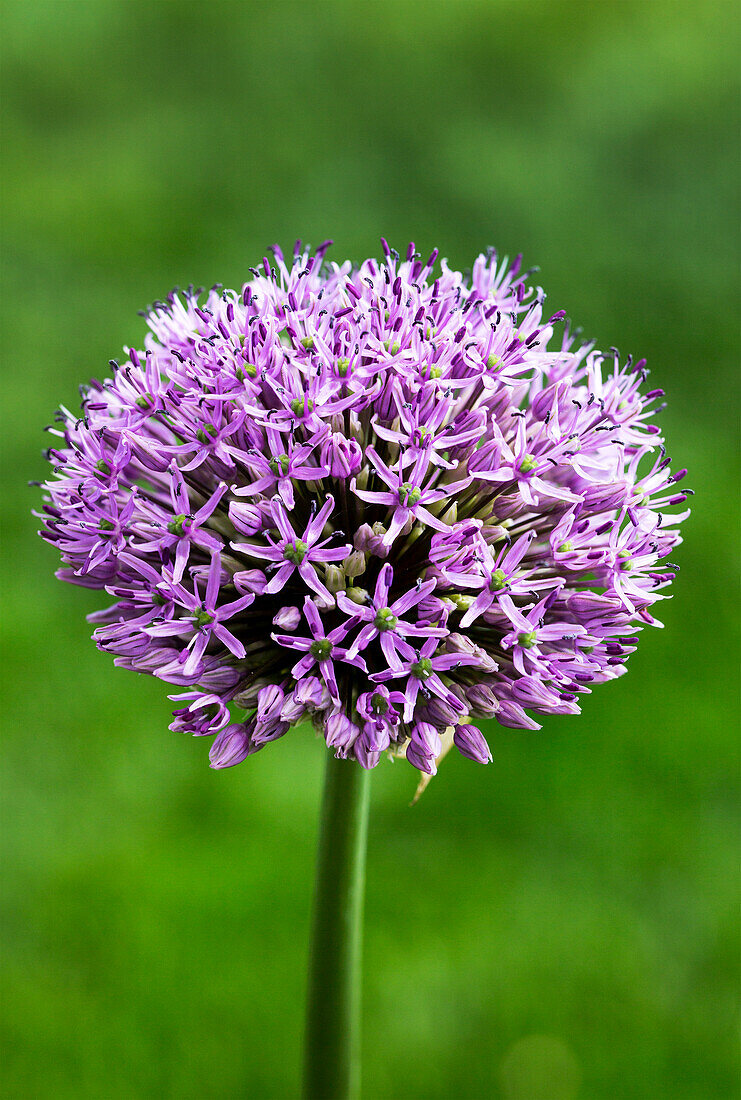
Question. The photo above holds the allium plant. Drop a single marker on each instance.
(390, 501)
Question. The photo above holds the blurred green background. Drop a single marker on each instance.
(559, 925)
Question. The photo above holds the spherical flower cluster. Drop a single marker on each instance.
(371, 497)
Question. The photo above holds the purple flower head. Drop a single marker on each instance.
(387, 499)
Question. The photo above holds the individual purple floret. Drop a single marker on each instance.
(385, 499)
(291, 552)
(320, 649)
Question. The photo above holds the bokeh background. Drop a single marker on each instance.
(559, 925)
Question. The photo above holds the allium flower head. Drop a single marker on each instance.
(388, 501)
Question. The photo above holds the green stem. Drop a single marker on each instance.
(332, 1057)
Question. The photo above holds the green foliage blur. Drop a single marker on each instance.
(559, 925)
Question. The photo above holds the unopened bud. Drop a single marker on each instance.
(365, 753)
(354, 564)
(343, 456)
(287, 618)
(459, 643)
(248, 697)
(471, 742)
(461, 601)
(311, 692)
(232, 746)
(334, 578)
(292, 710)
(340, 733)
(375, 736)
(269, 731)
(250, 580)
(358, 595)
(426, 738)
(247, 518)
(420, 760)
(482, 701)
(363, 535)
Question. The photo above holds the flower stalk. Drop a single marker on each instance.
(332, 1051)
